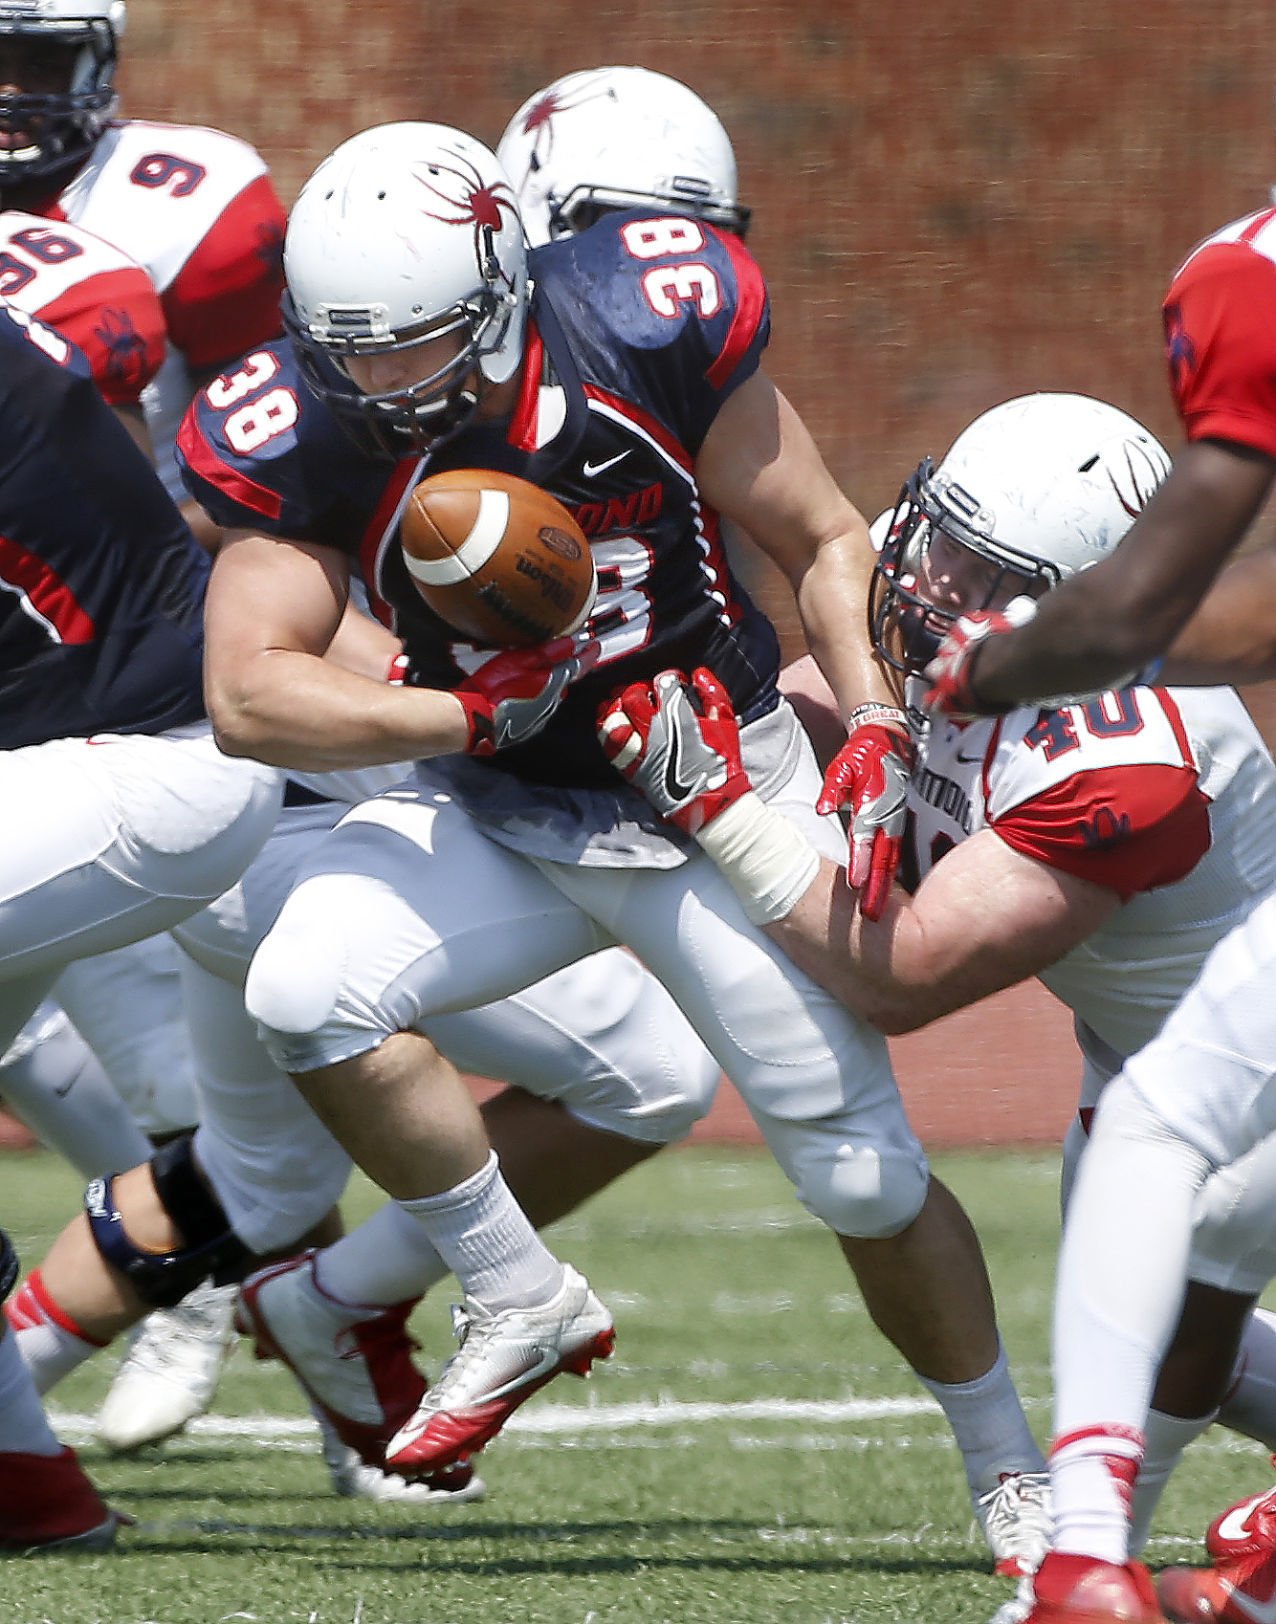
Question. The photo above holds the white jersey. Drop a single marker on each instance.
(1168, 796)
(90, 292)
(197, 209)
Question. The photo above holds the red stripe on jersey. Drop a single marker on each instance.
(205, 460)
(522, 432)
(225, 299)
(750, 307)
(717, 563)
(649, 425)
(404, 475)
(1130, 828)
(116, 319)
(46, 591)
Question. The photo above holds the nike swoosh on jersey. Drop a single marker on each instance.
(591, 470)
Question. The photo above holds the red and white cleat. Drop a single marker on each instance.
(1245, 1529)
(503, 1359)
(1071, 1589)
(48, 1504)
(354, 1362)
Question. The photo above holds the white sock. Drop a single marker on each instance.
(989, 1425)
(486, 1240)
(1167, 1437)
(1091, 1477)
(387, 1259)
(24, 1427)
(52, 1345)
(1250, 1405)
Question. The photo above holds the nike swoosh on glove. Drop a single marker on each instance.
(679, 744)
(511, 698)
(869, 774)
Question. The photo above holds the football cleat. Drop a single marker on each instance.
(458, 1485)
(170, 1369)
(502, 1360)
(1070, 1589)
(1016, 1521)
(48, 1504)
(1237, 1592)
(355, 1363)
(1245, 1529)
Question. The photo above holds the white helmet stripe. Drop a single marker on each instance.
(484, 538)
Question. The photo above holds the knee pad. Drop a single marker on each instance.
(8, 1266)
(210, 1246)
(864, 1191)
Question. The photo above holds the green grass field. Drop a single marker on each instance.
(753, 1452)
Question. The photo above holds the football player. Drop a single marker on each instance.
(423, 346)
(1104, 846)
(194, 206)
(607, 139)
(1200, 1096)
(197, 209)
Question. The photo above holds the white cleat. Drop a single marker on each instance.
(1017, 1522)
(503, 1359)
(353, 1480)
(170, 1369)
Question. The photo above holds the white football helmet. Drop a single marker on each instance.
(618, 138)
(1037, 488)
(72, 42)
(405, 233)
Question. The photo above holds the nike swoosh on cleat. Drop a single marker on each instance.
(1234, 1526)
(591, 470)
(546, 1360)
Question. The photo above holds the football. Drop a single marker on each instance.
(499, 559)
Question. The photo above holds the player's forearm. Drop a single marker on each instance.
(1087, 636)
(306, 714)
(885, 972)
(1226, 640)
(831, 596)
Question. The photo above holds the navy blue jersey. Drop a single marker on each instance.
(101, 582)
(640, 329)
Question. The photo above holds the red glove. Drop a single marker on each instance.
(870, 774)
(511, 698)
(951, 672)
(677, 743)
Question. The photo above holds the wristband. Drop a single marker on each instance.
(874, 711)
(767, 861)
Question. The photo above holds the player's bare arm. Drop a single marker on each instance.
(1232, 637)
(273, 610)
(760, 467)
(984, 918)
(1111, 620)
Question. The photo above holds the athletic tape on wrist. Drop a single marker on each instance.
(767, 861)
